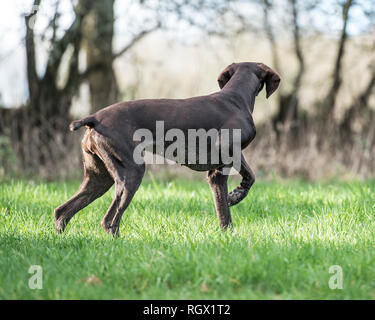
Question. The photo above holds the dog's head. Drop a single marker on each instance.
(264, 73)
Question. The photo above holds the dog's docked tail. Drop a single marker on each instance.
(90, 122)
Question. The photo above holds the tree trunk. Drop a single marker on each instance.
(99, 27)
(288, 102)
(359, 106)
(330, 100)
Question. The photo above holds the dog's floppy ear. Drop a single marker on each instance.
(226, 75)
(270, 78)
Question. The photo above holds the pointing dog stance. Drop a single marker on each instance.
(108, 145)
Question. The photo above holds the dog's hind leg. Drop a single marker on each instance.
(128, 178)
(248, 179)
(95, 183)
(218, 183)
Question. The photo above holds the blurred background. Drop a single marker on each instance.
(62, 60)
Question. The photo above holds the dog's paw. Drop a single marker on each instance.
(235, 196)
(110, 229)
(60, 225)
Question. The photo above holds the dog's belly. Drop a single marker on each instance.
(199, 155)
(198, 161)
(203, 167)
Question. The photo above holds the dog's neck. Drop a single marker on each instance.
(245, 86)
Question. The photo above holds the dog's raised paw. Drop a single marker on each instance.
(60, 225)
(235, 197)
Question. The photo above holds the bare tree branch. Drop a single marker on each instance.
(270, 34)
(297, 45)
(60, 46)
(32, 77)
(136, 39)
(337, 72)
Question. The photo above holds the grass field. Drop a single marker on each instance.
(285, 238)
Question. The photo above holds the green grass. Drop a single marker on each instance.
(286, 235)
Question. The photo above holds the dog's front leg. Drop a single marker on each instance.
(248, 179)
(218, 183)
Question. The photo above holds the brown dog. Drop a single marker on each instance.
(108, 144)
